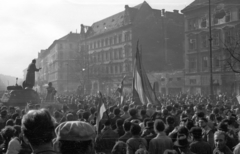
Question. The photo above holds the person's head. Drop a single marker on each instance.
(92, 110)
(133, 112)
(159, 126)
(220, 139)
(170, 120)
(57, 115)
(50, 84)
(107, 123)
(85, 115)
(143, 112)
(34, 61)
(38, 128)
(11, 109)
(3, 113)
(127, 126)
(17, 130)
(70, 117)
(196, 132)
(7, 133)
(135, 130)
(125, 108)
(10, 122)
(203, 122)
(116, 111)
(75, 137)
(119, 123)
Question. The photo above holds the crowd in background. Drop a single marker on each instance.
(175, 125)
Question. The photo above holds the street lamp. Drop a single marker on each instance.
(210, 50)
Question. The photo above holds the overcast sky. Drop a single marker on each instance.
(27, 26)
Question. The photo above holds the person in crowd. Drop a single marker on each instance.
(92, 116)
(127, 135)
(7, 133)
(74, 137)
(182, 145)
(106, 139)
(161, 142)
(117, 116)
(119, 130)
(38, 131)
(148, 129)
(133, 115)
(14, 146)
(150, 109)
(170, 124)
(207, 131)
(125, 115)
(198, 144)
(220, 140)
(51, 92)
(143, 114)
(135, 142)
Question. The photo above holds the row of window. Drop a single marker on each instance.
(114, 54)
(117, 38)
(229, 36)
(203, 22)
(111, 69)
(204, 63)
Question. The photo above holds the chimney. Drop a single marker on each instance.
(82, 29)
(163, 12)
(126, 7)
(176, 11)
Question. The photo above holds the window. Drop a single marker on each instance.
(192, 24)
(116, 56)
(170, 79)
(192, 64)
(120, 68)
(215, 38)
(106, 41)
(120, 38)
(102, 43)
(204, 63)
(115, 39)
(228, 37)
(204, 40)
(99, 44)
(238, 34)
(60, 46)
(70, 46)
(192, 44)
(239, 14)
(203, 22)
(127, 36)
(179, 79)
(120, 53)
(216, 62)
(127, 51)
(111, 41)
(192, 81)
(228, 16)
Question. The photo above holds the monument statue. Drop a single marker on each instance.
(50, 93)
(30, 77)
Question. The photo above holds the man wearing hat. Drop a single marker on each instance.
(75, 137)
(182, 144)
(198, 144)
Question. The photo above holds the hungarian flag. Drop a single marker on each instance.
(142, 89)
(120, 90)
(100, 111)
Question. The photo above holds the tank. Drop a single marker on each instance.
(16, 96)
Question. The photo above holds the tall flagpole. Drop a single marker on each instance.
(210, 50)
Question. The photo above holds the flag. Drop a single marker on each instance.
(238, 98)
(100, 111)
(120, 90)
(142, 89)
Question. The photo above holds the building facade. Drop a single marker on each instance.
(225, 15)
(60, 64)
(108, 46)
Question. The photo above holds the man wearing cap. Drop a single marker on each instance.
(198, 144)
(76, 137)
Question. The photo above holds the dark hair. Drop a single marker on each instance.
(107, 123)
(125, 108)
(7, 133)
(70, 147)
(200, 114)
(14, 116)
(18, 121)
(57, 114)
(111, 108)
(159, 125)
(135, 129)
(119, 122)
(17, 131)
(204, 119)
(127, 126)
(116, 111)
(9, 122)
(132, 112)
(170, 120)
(143, 112)
(85, 115)
(92, 110)
(38, 127)
(219, 119)
(212, 117)
(145, 121)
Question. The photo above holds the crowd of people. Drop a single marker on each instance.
(175, 125)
